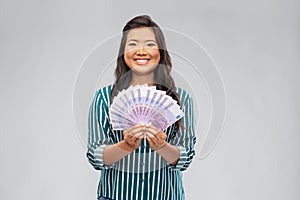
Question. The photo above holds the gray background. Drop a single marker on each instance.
(255, 45)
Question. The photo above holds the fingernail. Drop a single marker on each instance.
(150, 135)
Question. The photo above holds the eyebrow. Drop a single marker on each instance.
(134, 40)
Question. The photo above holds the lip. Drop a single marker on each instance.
(141, 61)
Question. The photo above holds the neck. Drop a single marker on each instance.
(142, 79)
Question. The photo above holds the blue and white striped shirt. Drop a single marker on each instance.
(143, 174)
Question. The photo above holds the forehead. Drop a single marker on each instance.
(141, 34)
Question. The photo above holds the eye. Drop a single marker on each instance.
(131, 44)
(151, 44)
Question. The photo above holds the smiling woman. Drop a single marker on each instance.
(141, 53)
(141, 162)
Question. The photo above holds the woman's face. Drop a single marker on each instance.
(141, 52)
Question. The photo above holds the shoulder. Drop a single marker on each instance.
(104, 90)
(184, 96)
(103, 94)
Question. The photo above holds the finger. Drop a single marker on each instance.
(152, 127)
(138, 130)
(149, 126)
(142, 136)
(152, 138)
(128, 130)
(152, 130)
(149, 134)
(149, 138)
(137, 141)
(131, 138)
(139, 125)
(138, 135)
(132, 141)
(161, 135)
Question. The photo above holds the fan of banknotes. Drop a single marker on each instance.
(143, 104)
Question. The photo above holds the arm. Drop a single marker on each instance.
(132, 140)
(170, 153)
(185, 138)
(102, 153)
(180, 150)
(157, 142)
(114, 153)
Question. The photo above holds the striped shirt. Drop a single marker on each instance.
(142, 174)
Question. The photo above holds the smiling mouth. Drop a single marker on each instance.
(142, 61)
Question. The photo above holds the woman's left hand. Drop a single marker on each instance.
(155, 137)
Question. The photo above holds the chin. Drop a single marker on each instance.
(143, 69)
(142, 73)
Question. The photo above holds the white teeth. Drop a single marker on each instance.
(141, 61)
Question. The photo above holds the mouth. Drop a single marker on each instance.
(141, 61)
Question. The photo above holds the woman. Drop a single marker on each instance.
(134, 166)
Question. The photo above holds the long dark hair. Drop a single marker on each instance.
(162, 78)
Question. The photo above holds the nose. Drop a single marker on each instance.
(141, 50)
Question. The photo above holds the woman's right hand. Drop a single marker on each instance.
(133, 135)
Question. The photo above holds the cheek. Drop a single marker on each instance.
(127, 55)
(157, 56)
(126, 59)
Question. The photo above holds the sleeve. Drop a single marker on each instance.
(98, 131)
(185, 138)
